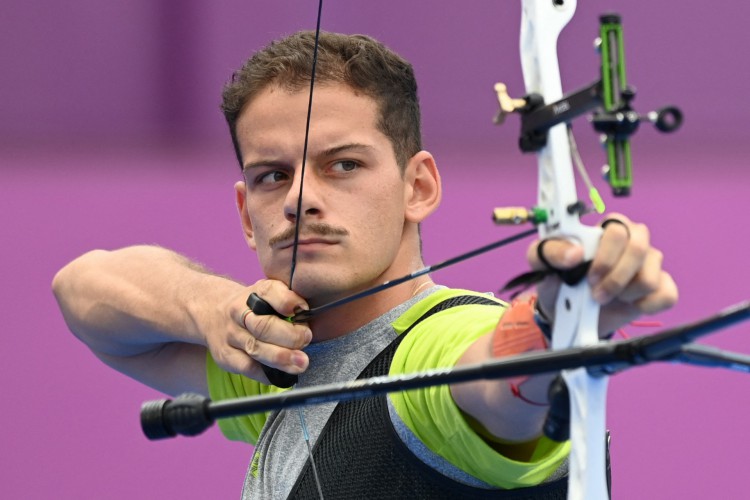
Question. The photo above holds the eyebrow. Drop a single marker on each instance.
(354, 146)
(264, 163)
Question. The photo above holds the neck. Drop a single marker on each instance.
(347, 318)
(342, 320)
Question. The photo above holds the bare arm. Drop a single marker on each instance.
(514, 423)
(626, 278)
(150, 313)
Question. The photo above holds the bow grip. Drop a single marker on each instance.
(277, 377)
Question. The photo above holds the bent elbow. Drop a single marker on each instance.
(65, 281)
(69, 286)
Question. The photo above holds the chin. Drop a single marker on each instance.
(322, 289)
(317, 294)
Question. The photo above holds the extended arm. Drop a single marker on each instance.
(150, 313)
(627, 279)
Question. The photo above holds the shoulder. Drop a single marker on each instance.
(449, 304)
(440, 327)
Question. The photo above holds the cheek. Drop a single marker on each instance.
(263, 231)
(262, 213)
(273, 266)
(382, 225)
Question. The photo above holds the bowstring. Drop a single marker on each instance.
(297, 221)
(298, 214)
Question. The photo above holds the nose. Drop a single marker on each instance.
(308, 202)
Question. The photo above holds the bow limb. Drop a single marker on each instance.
(576, 314)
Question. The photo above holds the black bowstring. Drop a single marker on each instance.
(298, 215)
(298, 218)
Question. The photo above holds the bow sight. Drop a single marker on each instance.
(609, 98)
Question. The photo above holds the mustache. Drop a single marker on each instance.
(311, 229)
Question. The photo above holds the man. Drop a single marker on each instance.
(368, 185)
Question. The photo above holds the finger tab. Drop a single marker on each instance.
(275, 376)
(260, 306)
(279, 378)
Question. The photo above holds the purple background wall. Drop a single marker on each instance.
(110, 135)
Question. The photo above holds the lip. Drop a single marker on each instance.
(307, 243)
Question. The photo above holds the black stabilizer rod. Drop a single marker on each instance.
(191, 414)
(668, 345)
(187, 415)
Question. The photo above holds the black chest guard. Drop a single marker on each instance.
(359, 455)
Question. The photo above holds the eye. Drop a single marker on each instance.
(272, 177)
(344, 166)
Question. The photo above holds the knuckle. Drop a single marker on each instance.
(301, 338)
(672, 293)
(262, 287)
(618, 232)
(641, 234)
(613, 285)
(600, 268)
(220, 355)
(643, 230)
(659, 301)
(251, 346)
(652, 278)
(242, 365)
(262, 327)
(651, 282)
(227, 359)
(658, 256)
(640, 246)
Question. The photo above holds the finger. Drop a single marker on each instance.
(238, 361)
(244, 354)
(243, 351)
(663, 298)
(617, 313)
(647, 281)
(273, 341)
(618, 261)
(565, 254)
(288, 360)
(279, 297)
(277, 331)
(235, 360)
(559, 253)
(612, 245)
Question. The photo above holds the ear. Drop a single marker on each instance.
(423, 189)
(247, 225)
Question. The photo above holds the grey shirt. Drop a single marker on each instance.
(281, 451)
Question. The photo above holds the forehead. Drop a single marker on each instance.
(276, 118)
(272, 125)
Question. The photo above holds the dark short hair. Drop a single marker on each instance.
(362, 63)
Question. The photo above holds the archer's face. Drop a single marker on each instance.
(353, 199)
